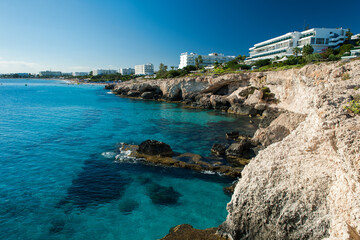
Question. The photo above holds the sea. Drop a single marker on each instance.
(63, 177)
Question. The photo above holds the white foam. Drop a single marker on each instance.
(208, 172)
(109, 93)
(108, 154)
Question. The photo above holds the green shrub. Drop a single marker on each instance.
(353, 106)
(262, 62)
(313, 57)
(333, 57)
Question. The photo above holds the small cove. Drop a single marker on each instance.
(56, 184)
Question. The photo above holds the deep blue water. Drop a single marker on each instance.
(55, 182)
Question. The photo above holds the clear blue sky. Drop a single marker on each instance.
(80, 35)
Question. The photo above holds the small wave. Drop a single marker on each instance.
(208, 172)
(125, 155)
(108, 154)
(109, 93)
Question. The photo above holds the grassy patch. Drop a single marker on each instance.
(354, 106)
(345, 76)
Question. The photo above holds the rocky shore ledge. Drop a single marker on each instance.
(304, 183)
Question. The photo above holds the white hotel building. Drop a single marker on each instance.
(187, 59)
(145, 69)
(318, 38)
(103, 71)
(127, 71)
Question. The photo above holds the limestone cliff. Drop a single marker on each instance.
(307, 184)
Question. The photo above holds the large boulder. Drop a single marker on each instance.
(219, 102)
(278, 128)
(238, 149)
(219, 149)
(242, 110)
(153, 147)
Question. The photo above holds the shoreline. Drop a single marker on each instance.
(309, 145)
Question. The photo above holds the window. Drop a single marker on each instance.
(312, 40)
(327, 41)
(320, 41)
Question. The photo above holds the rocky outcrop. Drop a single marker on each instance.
(158, 153)
(307, 184)
(186, 231)
(153, 147)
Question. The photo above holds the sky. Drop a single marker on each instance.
(82, 35)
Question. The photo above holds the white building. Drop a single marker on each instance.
(318, 38)
(49, 74)
(77, 74)
(187, 59)
(354, 53)
(145, 69)
(103, 71)
(127, 71)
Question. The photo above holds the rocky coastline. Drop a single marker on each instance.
(304, 183)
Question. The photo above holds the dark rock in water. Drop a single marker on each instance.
(100, 182)
(153, 147)
(232, 135)
(57, 226)
(127, 206)
(162, 195)
(186, 231)
(239, 149)
(147, 95)
(229, 190)
(109, 86)
(219, 149)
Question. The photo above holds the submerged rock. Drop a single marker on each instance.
(153, 147)
(162, 195)
(127, 206)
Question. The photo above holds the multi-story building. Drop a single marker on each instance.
(127, 71)
(49, 74)
(103, 71)
(187, 59)
(145, 69)
(77, 74)
(318, 38)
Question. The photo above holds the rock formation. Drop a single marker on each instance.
(305, 184)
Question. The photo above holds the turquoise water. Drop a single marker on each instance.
(58, 183)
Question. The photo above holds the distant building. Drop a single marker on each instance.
(66, 74)
(127, 71)
(355, 37)
(318, 38)
(187, 59)
(145, 69)
(49, 74)
(103, 71)
(78, 74)
(354, 53)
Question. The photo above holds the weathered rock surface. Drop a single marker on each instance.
(219, 149)
(307, 185)
(187, 232)
(153, 147)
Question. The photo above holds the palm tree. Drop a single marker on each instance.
(296, 51)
